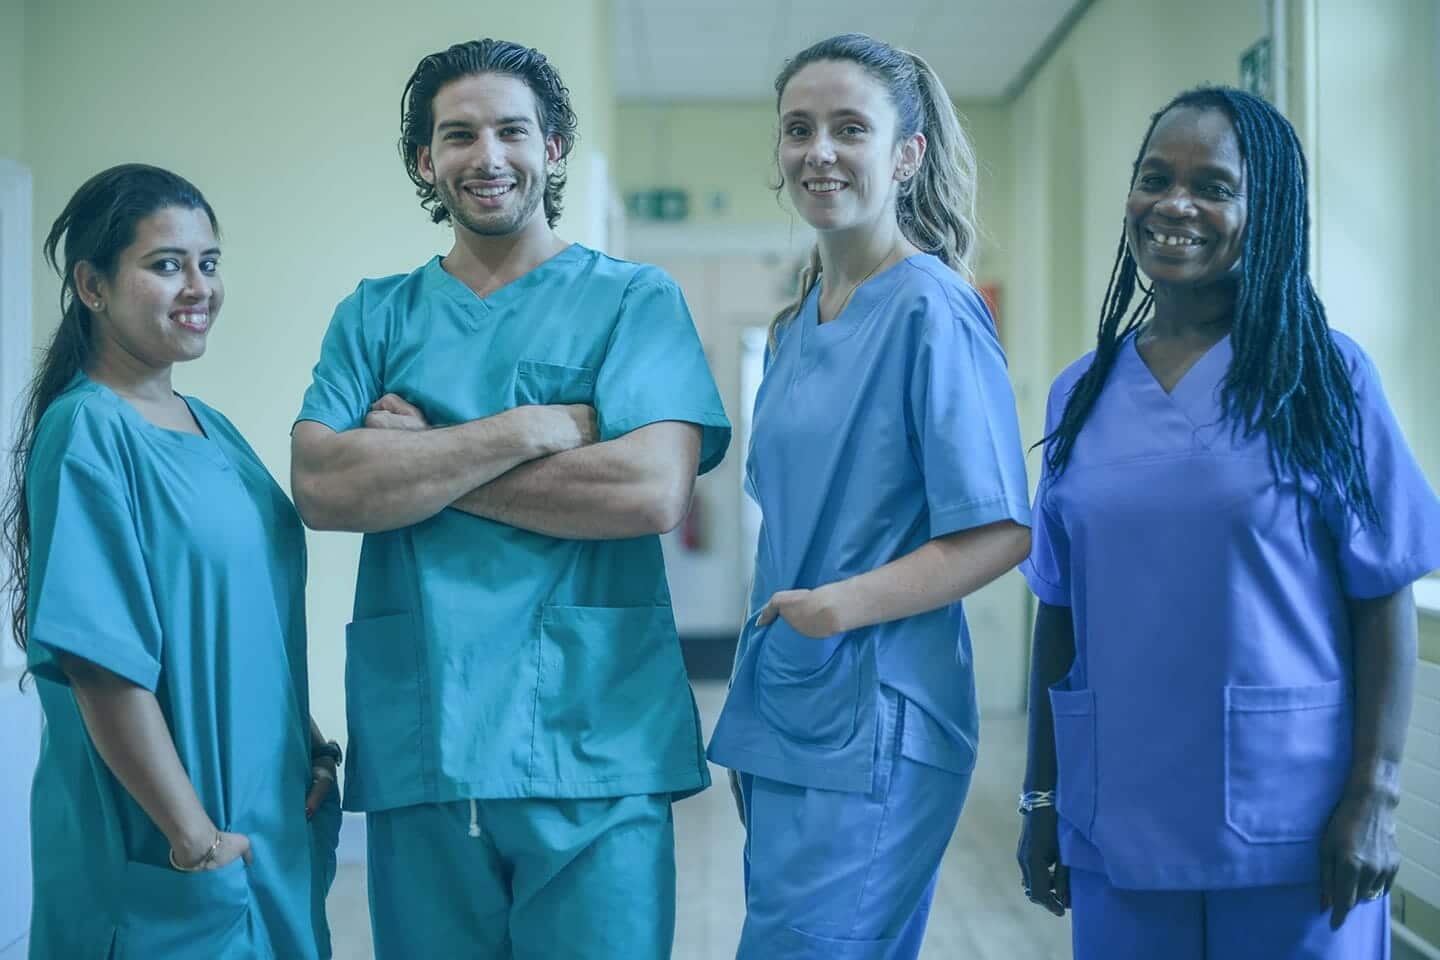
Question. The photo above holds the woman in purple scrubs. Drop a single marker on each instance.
(1226, 531)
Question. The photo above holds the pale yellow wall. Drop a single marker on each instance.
(1375, 154)
(12, 86)
(704, 148)
(286, 115)
(709, 148)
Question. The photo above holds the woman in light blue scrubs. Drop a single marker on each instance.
(887, 464)
(1227, 528)
(182, 803)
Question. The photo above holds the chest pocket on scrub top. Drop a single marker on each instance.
(541, 382)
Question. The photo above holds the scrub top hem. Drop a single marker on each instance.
(843, 778)
(697, 418)
(141, 672)
(1397, 578)
(326, 418)
(977, 513)
(687, 783)
(1046, 592)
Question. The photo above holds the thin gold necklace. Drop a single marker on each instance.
(856, 285)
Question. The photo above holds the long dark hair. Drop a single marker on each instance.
(96, 227)
(417, 109)
(936, 207)
(1287, 377)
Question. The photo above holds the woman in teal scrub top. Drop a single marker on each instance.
(182, 802)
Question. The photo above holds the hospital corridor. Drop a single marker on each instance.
(771, 479)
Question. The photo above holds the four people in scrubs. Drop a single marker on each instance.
(160, 594)
(512, 425)
(1228, 524)
(1227, 528)
(887, 464)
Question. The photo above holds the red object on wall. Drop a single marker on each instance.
(692, 538)
(991, 293)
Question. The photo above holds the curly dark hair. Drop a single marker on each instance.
(417, 115)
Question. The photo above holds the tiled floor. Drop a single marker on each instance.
(978, 914)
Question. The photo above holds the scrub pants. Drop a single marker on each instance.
(848, 876)
(1244, 923)
(532, 879)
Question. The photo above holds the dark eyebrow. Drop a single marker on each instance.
(1219, 173)
(1207, 170)
(513, 121)
(177, 251)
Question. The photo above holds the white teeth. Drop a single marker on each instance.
(489, 191)
(1169, 241)
(830, 186)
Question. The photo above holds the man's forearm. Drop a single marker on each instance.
(633, 486)
(369, 480)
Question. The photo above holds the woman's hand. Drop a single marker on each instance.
(1045, 880)
(194, 856)
(1358, 854)
(322, 781)
(734, 777)
(814, 613)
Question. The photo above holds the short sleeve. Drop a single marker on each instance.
(655, 369)
(1047, 569)
(1375, 561)
(963, 421)
(346, 380)
(90, 593)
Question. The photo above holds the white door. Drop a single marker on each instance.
(19, 712)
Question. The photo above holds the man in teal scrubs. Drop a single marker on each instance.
(511, 426)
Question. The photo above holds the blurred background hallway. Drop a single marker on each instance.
(285, 115)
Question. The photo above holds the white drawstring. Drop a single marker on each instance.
(474, 820)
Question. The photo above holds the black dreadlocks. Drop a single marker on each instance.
(1287, 377)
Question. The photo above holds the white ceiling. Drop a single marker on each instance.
(709, 50)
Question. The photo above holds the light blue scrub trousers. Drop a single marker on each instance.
(534, 879)
(848, 876)
(1244, 923)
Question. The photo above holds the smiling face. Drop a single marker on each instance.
(1186, 214)
(839, 154)
(488, 157)
(164, 293)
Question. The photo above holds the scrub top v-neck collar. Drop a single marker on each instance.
(1195, 394)
(479, 307)
(200, 443)
(869, 296)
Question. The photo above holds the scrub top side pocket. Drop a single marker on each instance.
(1075, 793)
(808, 688)
(1287, 753)
(614, 701)
(541, 382)
(167, 913)
(385, 709)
